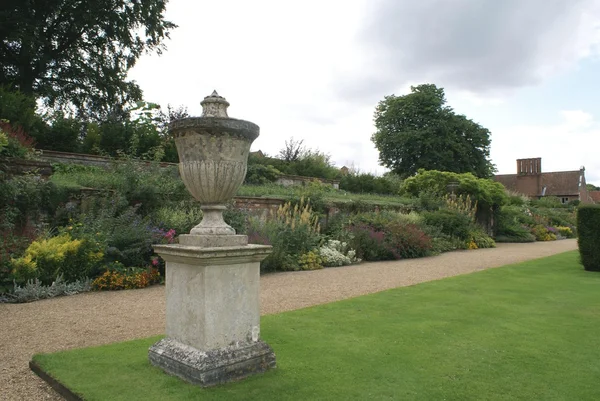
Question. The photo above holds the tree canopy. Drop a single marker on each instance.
(419, 131)
(75, 54)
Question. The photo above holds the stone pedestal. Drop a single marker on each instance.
(213, 310)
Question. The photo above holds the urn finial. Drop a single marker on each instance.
(214, 106)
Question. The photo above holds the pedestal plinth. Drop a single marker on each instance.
(213, 312)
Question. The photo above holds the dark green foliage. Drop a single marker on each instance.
(77, 53)
(19, 110)
(588, 227)
(368, 183)
(450, 222)
(259, 174)
(310, 163)
(63, 135)
(418, 131)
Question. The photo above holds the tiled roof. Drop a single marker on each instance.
(560, 183)
(595, 195)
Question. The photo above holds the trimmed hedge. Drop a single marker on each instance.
(588, 227)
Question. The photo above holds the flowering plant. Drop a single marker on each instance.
(337, 253)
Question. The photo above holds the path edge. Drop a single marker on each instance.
(55, 384)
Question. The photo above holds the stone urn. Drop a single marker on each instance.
(212, 282)
(213, 158)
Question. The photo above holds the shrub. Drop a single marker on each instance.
(259, 174)
(588, 227)
(565, 232)
(481, 240)
(181, 216)
(119, 277)
(310, 260)
(370, 243)
(451, 222)
(47, 259)
(337, 253)
(408, 241)
(542, 233)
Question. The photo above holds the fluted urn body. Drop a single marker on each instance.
(213, 158)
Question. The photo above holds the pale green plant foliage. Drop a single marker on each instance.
(3, 140)
(410, 218)
(34, 290)
(182, 218)
(337, 253)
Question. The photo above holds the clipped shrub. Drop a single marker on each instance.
(588, 228)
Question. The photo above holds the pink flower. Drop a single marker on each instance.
(155, 262)
(170, 235)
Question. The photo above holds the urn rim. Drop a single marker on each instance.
(215, 126)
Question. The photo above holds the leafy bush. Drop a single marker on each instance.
(48, 258)
(181, 216)
(480, 240)
(542, 233)
(486, 192)
(259, 174)
(34, 289)
(451, 222)
(119, 277)
(368, 183)
(565, 232)
(408, 241)
(370, 243)
(310, 260)
(588, 227)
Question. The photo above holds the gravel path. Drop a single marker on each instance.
(106, 317)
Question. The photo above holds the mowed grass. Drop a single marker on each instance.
(523, 332)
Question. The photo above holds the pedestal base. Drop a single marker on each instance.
(211, 367)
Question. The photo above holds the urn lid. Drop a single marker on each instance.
(214, 106)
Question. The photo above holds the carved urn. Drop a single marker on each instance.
(213, 158)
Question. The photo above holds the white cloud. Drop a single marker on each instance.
(315, 70)
(566, 146)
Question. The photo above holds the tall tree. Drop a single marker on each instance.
(418, 130)
(75, 54)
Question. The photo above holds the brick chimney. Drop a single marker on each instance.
(529, 166)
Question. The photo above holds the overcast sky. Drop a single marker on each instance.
(528, 70)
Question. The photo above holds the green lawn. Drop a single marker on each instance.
(529, 331)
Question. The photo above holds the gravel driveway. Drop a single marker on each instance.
(105, 317)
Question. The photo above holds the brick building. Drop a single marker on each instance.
(532, 182)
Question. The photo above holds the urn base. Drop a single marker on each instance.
(210, 368)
